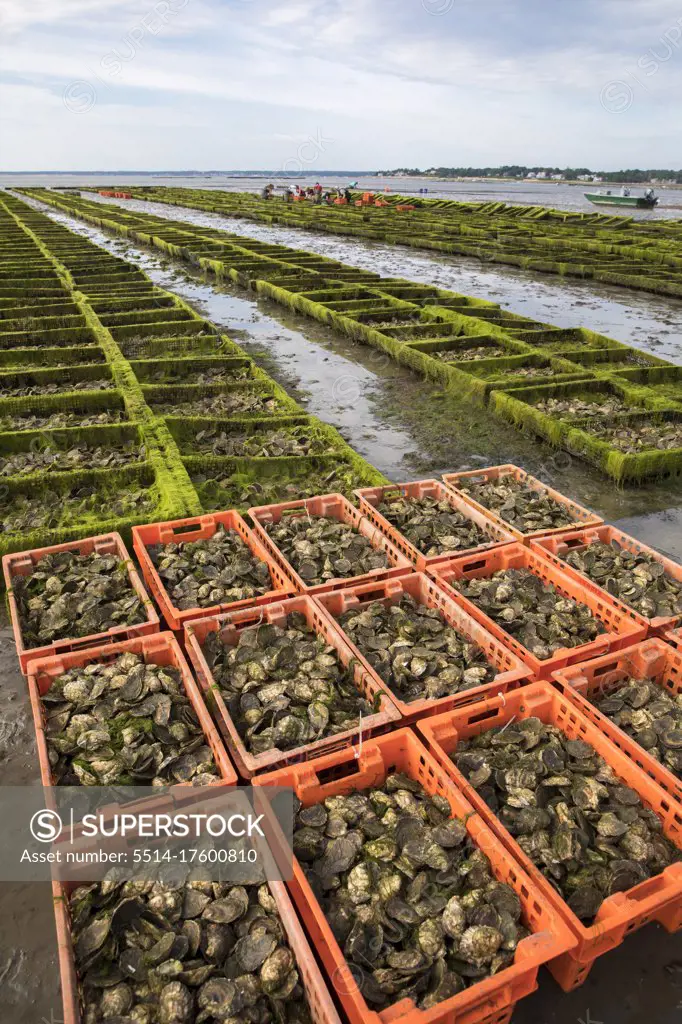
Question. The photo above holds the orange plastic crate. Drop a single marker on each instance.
(582, 516)
(492, 1000)
(23, 564)
(652, 659)
(556, 548)
(322, 1008)
(161, 649)
(623, 626)
(656, 899)
(674, 638)
(182, 531)
(230, 626)
(334, 506)
(371, 497)
(512, 672)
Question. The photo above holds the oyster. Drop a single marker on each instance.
(586, 831)
(534, 613)
(70, 595)
(650, 715)
(639, 436)
(218, 570)
(222, 489)
(140, 959)
(578, 408)
(284, 686)
(21, 513)
(527, 371)
(7, 390)
(51, 459)
(187, 368)
(124, 723)
(411, 900)
(473, 352)
(520, 505)
(55, 420)
(286, 441)
(416, 653)
(321, 548)
(224, 404)
(636, 578)
(432, 525)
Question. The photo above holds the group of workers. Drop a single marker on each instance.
(315, 193)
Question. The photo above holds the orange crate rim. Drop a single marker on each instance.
(317, 619)
(22, 564)
(187, 531)
(370, 498)
(623, 626)
(656, 899)
(582, 516)
(491, 1000)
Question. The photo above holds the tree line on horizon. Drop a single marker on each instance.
(518, 171)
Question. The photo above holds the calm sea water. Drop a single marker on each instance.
(555, 194)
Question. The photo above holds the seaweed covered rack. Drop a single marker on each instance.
(600, 247)
(472, 349)
(120, 401)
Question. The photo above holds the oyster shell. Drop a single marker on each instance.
(218, 570)
(72, 595)
(520, 505)
(637, 579)
(411, 900)
(534, 613)
(416, 653)
(650, 715)
(124, 723)
(587, 832)
(433, 526)
(284, 686)
(135, 962)
(321, 548)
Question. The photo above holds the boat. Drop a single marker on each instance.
(645, 202)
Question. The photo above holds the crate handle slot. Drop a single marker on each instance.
(484, 716)
(193, 527)
(480, 563)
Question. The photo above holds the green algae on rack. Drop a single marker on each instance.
(410, 322)
(45, 449)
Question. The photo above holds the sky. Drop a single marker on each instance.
(305, 85)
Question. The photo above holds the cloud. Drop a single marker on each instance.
(248, 82)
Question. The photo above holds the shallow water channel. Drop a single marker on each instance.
(405, 428)
(649, 322)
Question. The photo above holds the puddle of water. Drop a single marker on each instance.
(648, 322)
